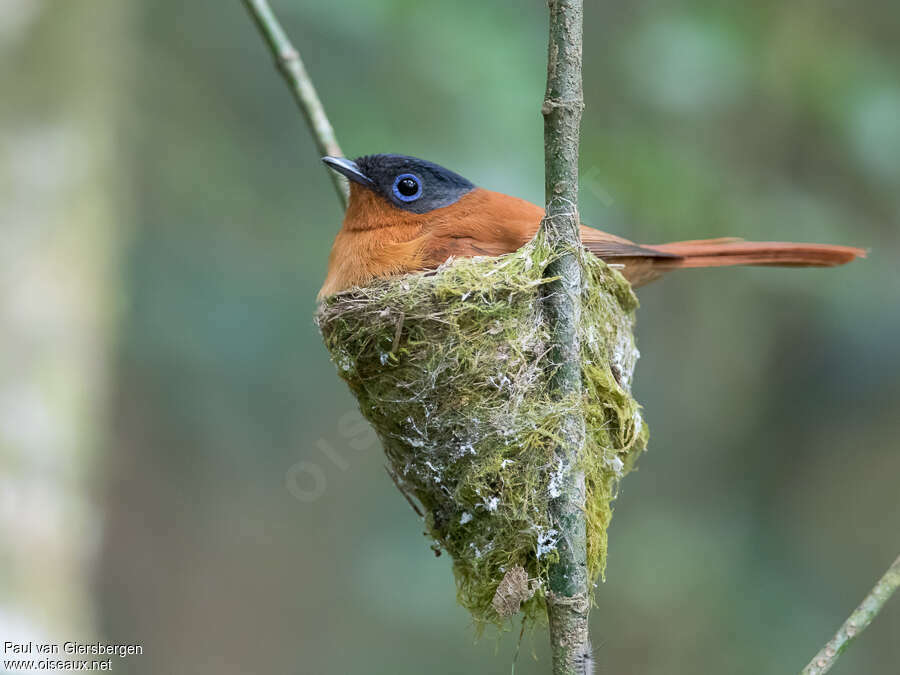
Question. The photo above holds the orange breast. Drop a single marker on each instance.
(379, 240)
(375, 240)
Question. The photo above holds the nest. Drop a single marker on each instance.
(452, 370)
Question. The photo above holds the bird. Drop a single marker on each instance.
(406, 214)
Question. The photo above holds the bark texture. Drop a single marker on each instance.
(568, 602)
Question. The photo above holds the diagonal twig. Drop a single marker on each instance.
(860, 619)
(291, 66)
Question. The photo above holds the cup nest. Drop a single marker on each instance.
(452, 369)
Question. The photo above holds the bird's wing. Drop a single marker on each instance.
(605, 245)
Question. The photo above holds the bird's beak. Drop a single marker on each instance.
(349, 168)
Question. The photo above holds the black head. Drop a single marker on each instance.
(408, 183)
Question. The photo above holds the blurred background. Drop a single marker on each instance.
(180, 466)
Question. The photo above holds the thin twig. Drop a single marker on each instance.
(862, 616)
(291, 66)
(567, 600)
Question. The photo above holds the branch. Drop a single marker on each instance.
(860, 619)
(291, 66)
(568, 600)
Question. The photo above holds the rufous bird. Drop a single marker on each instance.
(407, 214)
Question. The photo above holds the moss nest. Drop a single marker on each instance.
(452, 370)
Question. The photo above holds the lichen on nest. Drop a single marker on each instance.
(452, 368)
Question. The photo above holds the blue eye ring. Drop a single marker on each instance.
(407, 197)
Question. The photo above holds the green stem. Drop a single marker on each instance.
(568, 600)
(860, 619)
(291, 66)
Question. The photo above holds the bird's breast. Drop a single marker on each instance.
(359, 256)
(379, 240)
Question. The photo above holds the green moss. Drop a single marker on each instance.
(451, 369)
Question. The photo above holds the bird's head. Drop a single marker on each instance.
(414, 186)
(404, 214)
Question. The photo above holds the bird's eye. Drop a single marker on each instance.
(407, 187)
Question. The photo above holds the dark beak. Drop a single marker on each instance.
(349, 168)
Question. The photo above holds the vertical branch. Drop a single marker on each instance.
(857, 622)
(291, 66)
(568, 599)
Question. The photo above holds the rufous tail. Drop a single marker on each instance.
(641, 264)
(727, 252)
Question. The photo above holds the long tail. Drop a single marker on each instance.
(642, 264)
(727, 252)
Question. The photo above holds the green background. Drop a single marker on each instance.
(769, 500)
